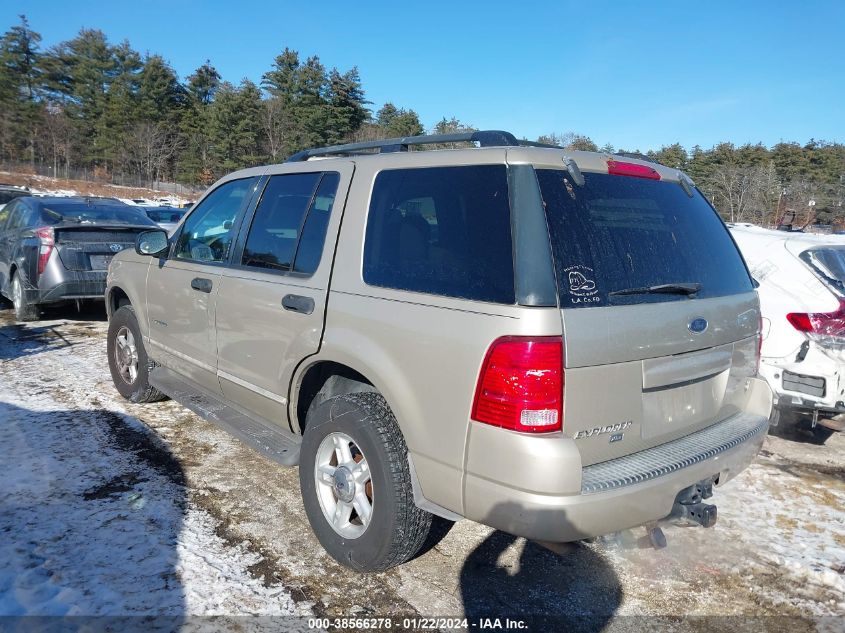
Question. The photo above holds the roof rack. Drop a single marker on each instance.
(485, 138)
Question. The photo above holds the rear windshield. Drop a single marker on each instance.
(619, 233)
(829, 263)
(94, 213)
(165, 214)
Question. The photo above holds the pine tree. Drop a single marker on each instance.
(346, 105)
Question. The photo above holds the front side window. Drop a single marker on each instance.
(208, 232)
(443, 231)
(289, 226)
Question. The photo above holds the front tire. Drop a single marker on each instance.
(24, 311)
(356, 484)
(128, 362)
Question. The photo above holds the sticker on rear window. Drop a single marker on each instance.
(582, 285)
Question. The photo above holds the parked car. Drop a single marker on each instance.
(556, 344)
(802, 297)
(166, 217)
(10, 192)
(58, 249)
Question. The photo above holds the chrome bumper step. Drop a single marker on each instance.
(672, 456)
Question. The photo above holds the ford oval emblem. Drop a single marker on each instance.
(697, 325)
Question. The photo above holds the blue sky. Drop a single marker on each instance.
(637, 75)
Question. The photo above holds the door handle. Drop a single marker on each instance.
(298, 303)
(203, 285)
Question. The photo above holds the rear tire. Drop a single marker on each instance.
(353, 457)
(24, 311)
(128, 362)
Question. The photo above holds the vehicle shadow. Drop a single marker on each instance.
(88, 311)
(795, 427)
(576, 590)
(91, 508)
(19, 340)
(32, 338)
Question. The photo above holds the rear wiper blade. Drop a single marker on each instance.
(665, 289)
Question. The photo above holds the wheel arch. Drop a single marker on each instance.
(115, 298)
(324, 379)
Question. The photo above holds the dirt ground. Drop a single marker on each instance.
(777, 550)
(86, 187)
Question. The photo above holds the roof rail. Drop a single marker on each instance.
(485, 138)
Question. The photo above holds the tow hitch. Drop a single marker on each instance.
(689, 504)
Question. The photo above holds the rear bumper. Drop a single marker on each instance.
(59, 284)
(557, 501)
(816, 382)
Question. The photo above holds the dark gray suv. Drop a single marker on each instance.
(58, 249)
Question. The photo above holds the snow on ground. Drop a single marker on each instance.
(93, 508)
(109, 503)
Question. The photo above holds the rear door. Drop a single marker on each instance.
(271, 304)
(646, 364)
(182, 289)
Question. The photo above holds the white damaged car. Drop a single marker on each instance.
(802, 299)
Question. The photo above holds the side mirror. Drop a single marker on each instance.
(152, 243)
(755, 283)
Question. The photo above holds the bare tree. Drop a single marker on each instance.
(278, 127)
(730, 188)
(57, 135)
(151, 148)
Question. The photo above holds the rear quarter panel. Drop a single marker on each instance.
(422, 352)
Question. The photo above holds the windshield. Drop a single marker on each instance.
(93, 213)
(645, 237)
(829, 262)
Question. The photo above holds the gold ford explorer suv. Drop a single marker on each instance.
(556, 344)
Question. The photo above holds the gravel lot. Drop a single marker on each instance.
(114, 508)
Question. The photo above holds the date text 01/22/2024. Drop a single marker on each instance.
(417, 624)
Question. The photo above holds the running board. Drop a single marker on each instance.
(270, 440)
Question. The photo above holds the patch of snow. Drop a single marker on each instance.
(93, 510)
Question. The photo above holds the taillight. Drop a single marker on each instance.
(759, 344)
(47, 243)
(520, 386)
(822, 323)
(619, 168)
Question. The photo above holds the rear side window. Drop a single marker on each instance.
(289, 226)
(4, 214)
(829, 263)
(443, 231)
(17, 217)
(618, 233)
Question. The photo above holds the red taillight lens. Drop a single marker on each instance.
(520, 386)
(823, 323)
(759, 344)
(619, 168)
(47, 243)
